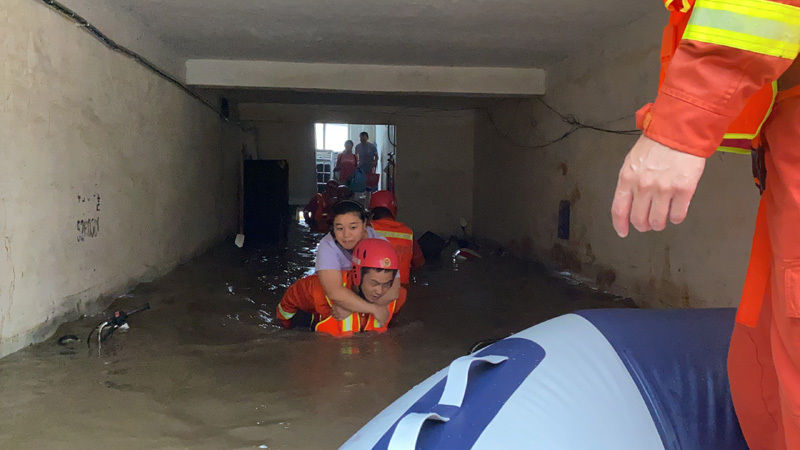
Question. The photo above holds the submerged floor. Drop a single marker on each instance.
(207, 367)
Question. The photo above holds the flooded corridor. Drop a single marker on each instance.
(207, 367)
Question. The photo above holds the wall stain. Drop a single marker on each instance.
(5, 313)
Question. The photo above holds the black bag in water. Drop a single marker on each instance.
(431, 245)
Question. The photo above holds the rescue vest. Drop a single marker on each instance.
(356, 322)
(402, 239)
(746, 127)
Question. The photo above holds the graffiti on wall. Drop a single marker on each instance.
(88, 225)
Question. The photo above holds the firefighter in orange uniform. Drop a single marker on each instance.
(375, 265)
(730, 82)
(317, 212)
(383, 206)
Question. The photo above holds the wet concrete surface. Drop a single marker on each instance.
(207, 366)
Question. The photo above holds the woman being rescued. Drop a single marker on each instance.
(334, 255)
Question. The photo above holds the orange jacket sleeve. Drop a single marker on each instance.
(707, 84)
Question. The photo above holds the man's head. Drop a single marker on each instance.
(363, 137)
(331, 187)
(375, 265)
(382, 201)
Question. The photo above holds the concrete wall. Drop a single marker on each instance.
(518, 186)
(434, 177)
(294, 142)
(110, 174)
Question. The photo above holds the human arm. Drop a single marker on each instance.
(346, 299)
(390, 295)
(338, 167)
(707, 84)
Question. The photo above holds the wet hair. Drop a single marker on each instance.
(348, 142)
(363, 133)
(349, 206)
(381, 213)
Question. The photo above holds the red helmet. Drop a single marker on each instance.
(375, 254)
(331, 185)
(384, 199)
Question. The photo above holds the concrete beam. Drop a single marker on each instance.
(365, 77)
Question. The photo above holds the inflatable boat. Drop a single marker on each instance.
(597, 379)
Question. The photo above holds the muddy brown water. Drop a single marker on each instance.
(207, 366)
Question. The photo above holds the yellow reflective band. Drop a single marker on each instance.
(685, 5)
(392, 234)
(347, 324)
(759, 26)
(764, 9)
(742, 41)
(316, 327)
(741, 151)
(738, 151)
(284, 314)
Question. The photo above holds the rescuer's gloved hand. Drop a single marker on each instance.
(655, 182)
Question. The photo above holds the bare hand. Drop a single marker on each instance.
(381, 314)
(339, 313)
(655, 181)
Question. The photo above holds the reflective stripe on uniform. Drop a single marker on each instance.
(759, 26)
(284, 315)
(735, 136)
(683, 7)
(347, 324)
(396, 235)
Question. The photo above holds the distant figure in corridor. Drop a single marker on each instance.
(335, 254)
(367, 154)
(383, 206)
(346, 163)
(317, 213)
(374, 269)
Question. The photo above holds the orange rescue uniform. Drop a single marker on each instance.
(731, 50)
(319, 210)
(402, 239)
(308, 295)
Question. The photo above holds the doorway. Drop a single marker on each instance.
(330, 143)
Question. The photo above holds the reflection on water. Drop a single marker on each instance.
(207, 367)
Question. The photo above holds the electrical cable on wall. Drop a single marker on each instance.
(570, 119)
(110, 43)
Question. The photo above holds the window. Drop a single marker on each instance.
(330, 136)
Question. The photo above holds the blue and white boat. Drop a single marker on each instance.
(611, 379)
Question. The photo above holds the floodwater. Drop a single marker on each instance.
(207, 366)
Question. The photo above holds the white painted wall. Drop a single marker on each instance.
(699, 263)
(110, 174)
(435, 172)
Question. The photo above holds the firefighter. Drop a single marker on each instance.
(383, 206)
(374, 269)
(723, 65)
(317, 212)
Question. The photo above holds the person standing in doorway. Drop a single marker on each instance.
(719, 56)
(367, 154)
(346, 163)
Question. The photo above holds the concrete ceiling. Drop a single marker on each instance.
(512, 33)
